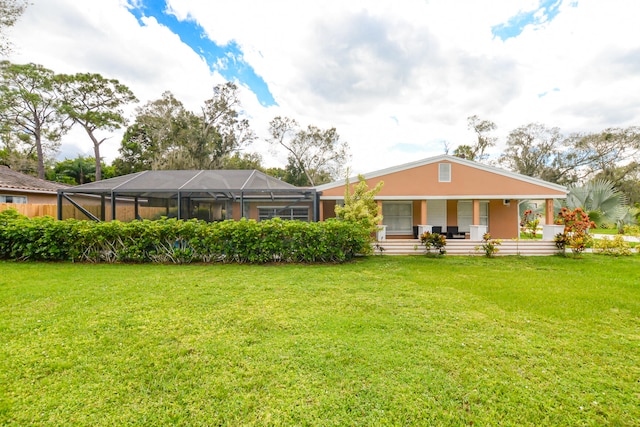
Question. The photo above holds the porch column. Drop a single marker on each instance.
(423, 212)
(379, 202)
(548, 212)
(475, 220)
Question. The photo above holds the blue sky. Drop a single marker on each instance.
(398, 83)
(544, 13)
(226, 59)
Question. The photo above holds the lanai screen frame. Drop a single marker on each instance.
(231, 186)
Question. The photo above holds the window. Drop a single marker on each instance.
(484, 213)
(465, 214)
(13, 199)
(291, 213)
(398, 217)
(444, 172)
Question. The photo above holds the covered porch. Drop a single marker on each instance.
(460, 218)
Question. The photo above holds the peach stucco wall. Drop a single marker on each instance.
(465, 181)
(503, 220)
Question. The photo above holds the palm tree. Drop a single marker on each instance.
(602, 202)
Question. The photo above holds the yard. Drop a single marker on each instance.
(380, 341)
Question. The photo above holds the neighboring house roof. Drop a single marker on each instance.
(419, 180)
(225, 183)
(11, 180)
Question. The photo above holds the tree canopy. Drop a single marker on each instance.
(10, 11)
(165, 135)
(317, 153)
(30, 108)
(95, 103)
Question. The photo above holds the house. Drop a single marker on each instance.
(448, 194)
(210, 195)
(30, 195)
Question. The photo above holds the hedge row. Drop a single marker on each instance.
(174, 241)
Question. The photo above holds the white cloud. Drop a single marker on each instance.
(396, 79)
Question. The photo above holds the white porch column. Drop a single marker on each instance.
(549, 231)
(477, 231)
(381, 234)
(422, 229)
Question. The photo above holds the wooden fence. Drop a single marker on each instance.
(124, 213)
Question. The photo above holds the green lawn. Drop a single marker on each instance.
(381, 341)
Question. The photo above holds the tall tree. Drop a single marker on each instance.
(604, 152)
(95, 103)
(482, 129)
(10, 11)
(29, 107)
(167, 136)
(319, 154)
(149, 138)
(533, 150)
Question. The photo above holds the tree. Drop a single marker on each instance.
(167, 136)
(318, 153)
(17, 155)
(80, 170)
(600, 200)
(204, 141)
(146, 142)
(533, 150)
(476, 152)
(242, 161)
(360, 204)
(29, 107)
(95, 103)
(602, 153)
(626, 179)
(10, 11)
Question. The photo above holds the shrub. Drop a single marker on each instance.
(435, 241)
(576, 226)
(489, 245)
(632, 230)
(177, 241)
(529, 223)
(616, 246)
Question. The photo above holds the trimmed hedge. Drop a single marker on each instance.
(174, 241)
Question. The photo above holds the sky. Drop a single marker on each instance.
(398, 80)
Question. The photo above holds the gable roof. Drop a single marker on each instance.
(547, 189)
(197, 181)
(17, 181)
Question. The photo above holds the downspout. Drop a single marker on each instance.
(316, 206)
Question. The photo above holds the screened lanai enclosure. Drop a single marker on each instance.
(210, 195)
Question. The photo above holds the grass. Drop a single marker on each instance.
(381, 341)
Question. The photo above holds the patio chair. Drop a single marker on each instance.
(453, 233)
(436, 229)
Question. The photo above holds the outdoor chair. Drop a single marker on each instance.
(453, 233)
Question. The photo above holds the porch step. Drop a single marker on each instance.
(467, 247)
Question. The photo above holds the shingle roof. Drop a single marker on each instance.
(14, 180)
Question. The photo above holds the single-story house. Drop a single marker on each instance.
(450, 195)
(30, 195)
(210, 195)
